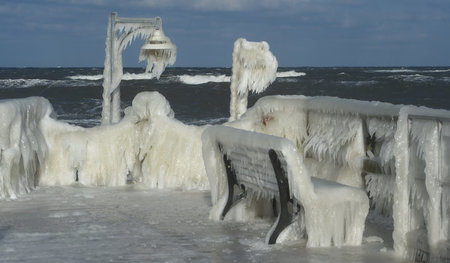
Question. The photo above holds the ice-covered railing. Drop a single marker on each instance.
(400, 151)
(336, 136)
(22, 144)
(148, 146)
(422, 191)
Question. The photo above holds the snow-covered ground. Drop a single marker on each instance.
(133, 224)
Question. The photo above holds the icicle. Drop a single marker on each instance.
(158, 59)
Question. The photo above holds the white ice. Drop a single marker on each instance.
(254, 69)
(334, 214)
(151, 148)
(147, 146)
(412, 153)
(23, 148)
(132, 224)
(119, 36)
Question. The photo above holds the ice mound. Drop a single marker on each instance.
(23, 148)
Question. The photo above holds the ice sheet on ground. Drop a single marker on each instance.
(139, 225)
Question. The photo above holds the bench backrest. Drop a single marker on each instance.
(249, 156)
(253, 168)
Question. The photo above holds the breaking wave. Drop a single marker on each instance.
(402, 70)
(202, 79)
(290, 74)
(86, 77)
(184, 78)
(414, 78)
(22, 83)
(126, 76)
(30, 83)
(399, 70)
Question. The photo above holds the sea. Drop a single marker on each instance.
(201, 95)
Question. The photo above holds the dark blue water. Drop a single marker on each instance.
(76, 93)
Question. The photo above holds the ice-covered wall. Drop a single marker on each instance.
(147, 146)
(254, 69)
(23, 149)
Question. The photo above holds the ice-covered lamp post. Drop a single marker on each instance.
(254, 69)
(158, 50)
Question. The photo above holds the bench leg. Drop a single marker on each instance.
(232, 181)
(284, 216)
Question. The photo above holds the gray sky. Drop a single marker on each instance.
(48, 33)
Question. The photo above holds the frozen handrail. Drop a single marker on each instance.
(319, 198)
(429, 118)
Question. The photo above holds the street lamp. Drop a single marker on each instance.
(158, 50)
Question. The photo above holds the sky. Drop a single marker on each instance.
(72, 33)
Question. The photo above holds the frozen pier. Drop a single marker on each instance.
(132, 224)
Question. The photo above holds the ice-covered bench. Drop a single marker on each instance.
(265, 166)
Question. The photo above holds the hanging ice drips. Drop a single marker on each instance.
(254, 69)
(159, 52)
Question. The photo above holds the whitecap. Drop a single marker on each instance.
(22, 83)
(126, 76)
(290, 74)
(414, 78)
(397, 70)
(137, 76)
(437, 70)
(202, 79)
(86, 77)
(205, 78)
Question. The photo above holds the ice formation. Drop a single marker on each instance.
(337, 137)
(158, 60)
(254, 69)
(333, 213)
(120, 33)
(330, 132)
(22, 144)
(401, 150)
(421, 209)
(147, 146)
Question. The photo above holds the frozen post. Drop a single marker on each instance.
(158, 51)
(254, 69)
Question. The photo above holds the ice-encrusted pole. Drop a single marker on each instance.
(158, 51)
(254, 69)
